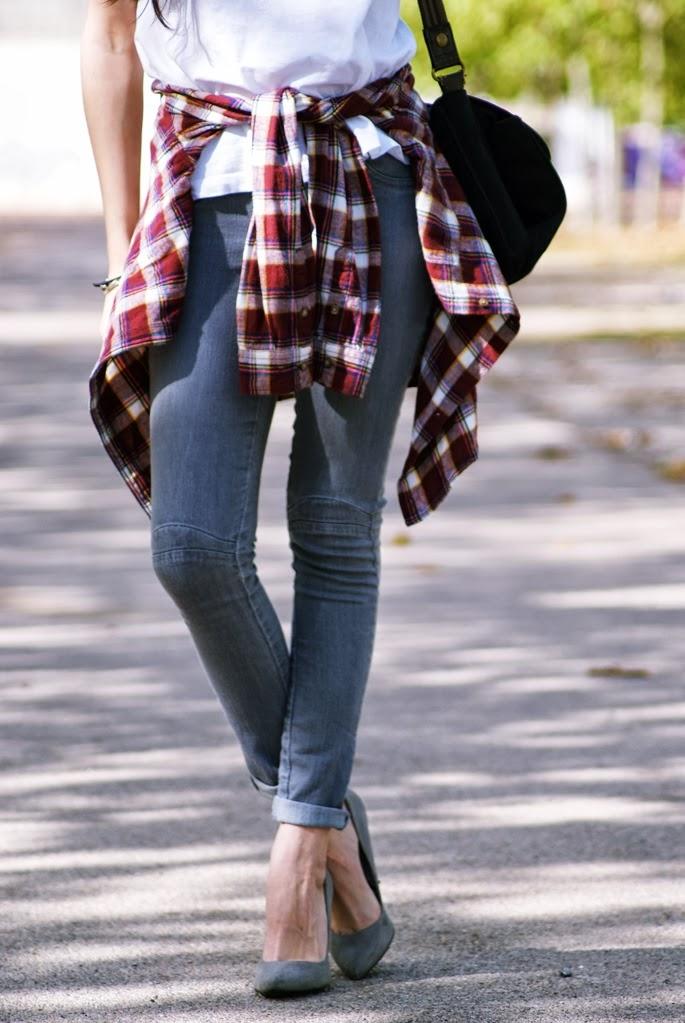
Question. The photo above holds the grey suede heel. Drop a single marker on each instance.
(356, 954)
(275, 977)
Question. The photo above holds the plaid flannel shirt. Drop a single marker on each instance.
(308, 305)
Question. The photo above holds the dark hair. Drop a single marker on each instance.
(157, 7)
(158, 11)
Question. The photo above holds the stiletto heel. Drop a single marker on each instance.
(296, 976)
(356, 954)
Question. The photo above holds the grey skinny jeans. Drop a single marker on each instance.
(295, 712)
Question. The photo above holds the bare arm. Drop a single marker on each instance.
(112, 89)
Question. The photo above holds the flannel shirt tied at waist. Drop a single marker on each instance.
(308, 306)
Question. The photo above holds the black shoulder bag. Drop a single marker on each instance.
(502, 164)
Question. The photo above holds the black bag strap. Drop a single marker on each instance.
(447, 68)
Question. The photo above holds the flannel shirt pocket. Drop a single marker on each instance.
(341, 308)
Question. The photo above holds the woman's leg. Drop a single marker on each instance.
(339, 457)
(338, 460)
(207, 449)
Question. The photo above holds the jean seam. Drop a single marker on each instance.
(258, 619)
(289, 716)
(220, 555)
(252, 605)
(346, 528)
(292, 504)
(369, 532)
(197, 529)
(253, 434)
(234, 557)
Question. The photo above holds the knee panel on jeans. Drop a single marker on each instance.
(336, 541)
(197, 568)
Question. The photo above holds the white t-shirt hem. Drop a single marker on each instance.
(225, 164)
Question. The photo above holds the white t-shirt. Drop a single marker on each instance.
(321, 47)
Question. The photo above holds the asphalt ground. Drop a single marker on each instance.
(521, 746)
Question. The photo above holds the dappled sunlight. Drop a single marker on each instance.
(570, 778)
(660, 597)
(520, 749)
(516, 435)
(30, 494)
(508, 812)
(585, 531)
(94, 953)
(82, 634)
(133, 890)
(121, 997)
(550, 891)
(52, 600)
(565, 890)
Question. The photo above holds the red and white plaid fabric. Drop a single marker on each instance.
(308, 305)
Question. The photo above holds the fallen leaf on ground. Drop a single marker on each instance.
(674, 471)
(551, 452)
(616, 671)
(616, 440)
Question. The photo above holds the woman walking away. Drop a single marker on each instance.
(301, 238)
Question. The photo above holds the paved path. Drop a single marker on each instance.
(521, 750)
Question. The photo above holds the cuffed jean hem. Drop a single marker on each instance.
(288, 811)
(261, 786)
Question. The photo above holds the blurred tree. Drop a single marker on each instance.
(512, 47)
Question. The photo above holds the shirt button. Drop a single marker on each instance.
(304, 311)
(483, 301)
(335, 310)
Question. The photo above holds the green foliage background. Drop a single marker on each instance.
(515, 47)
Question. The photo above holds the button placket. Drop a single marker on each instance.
(344, 283)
